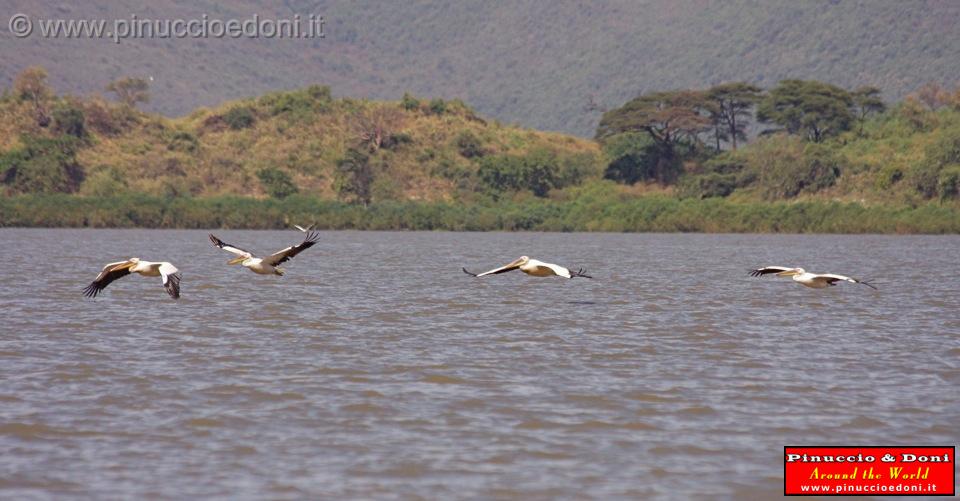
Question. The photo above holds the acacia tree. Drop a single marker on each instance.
(733, 103)
(31, 86)
(866, 101)
(815, 109)
(130, 91)
(375, 128)
(668, 118)
(933, 95)
(354, 177)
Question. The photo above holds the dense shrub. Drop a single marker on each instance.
(409, 102)
(299, 105)
(69, 119)
(438, 106)
(888, 176)
(948, 182)
(575, 169)
(102, 117)
(276, 182)
(635, 157)
(104, 182)
(469, 145)
(708, 185)
(42, 165)
(395, 140)
(183, 141)
(934, 177)
(785, 166)
(239, 117)
(538, 171)
(320, 93)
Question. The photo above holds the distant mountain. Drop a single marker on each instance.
(549, 65)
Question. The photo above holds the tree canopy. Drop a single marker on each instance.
(732, 109)
(130, 90)
(668, 118)
(815, 109)
(866, 101)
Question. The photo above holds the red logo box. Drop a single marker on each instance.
(869, 471)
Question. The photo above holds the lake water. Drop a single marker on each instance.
(376, 369)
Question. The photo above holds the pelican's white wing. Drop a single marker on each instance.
(229, 248)
(831, 278)
(110, 266)
(768, 269)
(106, 276)
(288, 253)
(503, 269)
(556, 268)
(171, 279)
(301, 228)
(560, 270)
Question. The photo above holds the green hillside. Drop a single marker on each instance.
(837, 160)
(303, 141)
(279, 144)
(549, 67)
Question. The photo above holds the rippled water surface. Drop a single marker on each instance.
(376, 369)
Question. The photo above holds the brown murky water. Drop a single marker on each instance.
(376, 369)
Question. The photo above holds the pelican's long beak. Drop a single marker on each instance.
(788, 273)
(515, 263)
(236, 260)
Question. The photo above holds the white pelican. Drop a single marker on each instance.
(267, 265)
(168, 273)
(803, 277)
(533, 267)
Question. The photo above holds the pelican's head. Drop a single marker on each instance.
(790, 273)
(236, 260)
(522, 260)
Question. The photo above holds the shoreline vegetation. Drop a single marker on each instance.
(801, 157)
(644, 214)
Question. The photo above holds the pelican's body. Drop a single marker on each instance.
(266, 265)
(258, 266)
(170, 275)
(803, 277)
(532, 267)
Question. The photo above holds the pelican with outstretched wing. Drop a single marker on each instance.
(168, 273)
(533, 267)
(267, 265)
(803, 277)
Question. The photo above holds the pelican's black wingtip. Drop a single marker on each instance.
(580, 273)
(312, 236)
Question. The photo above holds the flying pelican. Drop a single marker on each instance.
(801, 276)
(168, 273)
(301, 228)
(533, 267)
(267, 265)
